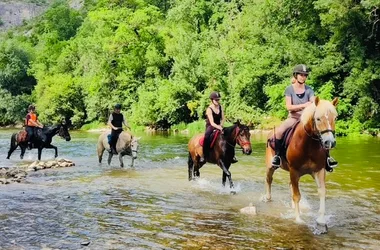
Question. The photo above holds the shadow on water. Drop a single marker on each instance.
(153, 206)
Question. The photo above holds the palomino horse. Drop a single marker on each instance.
(19, 139)
(223, 151)
(307, 152)
(127, 144)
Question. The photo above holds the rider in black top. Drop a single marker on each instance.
(215, 120)
(116, 121)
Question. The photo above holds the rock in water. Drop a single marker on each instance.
(251, 210)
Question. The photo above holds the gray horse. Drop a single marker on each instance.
(127, 144)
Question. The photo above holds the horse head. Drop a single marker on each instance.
(134, 146)
(64, 131)
(243, 138)
(319, 121)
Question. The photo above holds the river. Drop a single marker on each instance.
(154, 206)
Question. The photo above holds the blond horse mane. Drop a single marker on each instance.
(323, 107)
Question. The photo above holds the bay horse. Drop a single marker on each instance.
(222, 152)
(19, 139)
(307, 153)
(127, 144)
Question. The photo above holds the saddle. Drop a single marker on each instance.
(288, 134)
(214, 135)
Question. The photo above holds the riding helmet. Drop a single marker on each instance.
(31, 107)
(301, 69)
(118, 106)
(215, 95)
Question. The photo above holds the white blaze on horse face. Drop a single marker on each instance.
(328, 138)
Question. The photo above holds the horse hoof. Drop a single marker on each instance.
(266, 199)
(320, 229)
(299, 221)
(233, 192)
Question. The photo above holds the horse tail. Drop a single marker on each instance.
(13, 140)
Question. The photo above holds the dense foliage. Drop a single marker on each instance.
(162, 58)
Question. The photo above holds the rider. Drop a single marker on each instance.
(31, 123)
(116, 121)
(298, 96)
(215, 120)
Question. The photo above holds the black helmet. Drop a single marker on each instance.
(31, 107)
(215, 95)
(301, 69)
(118, 106)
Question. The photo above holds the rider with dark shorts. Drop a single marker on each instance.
(32, 125)
(215, 120)
(116, 121)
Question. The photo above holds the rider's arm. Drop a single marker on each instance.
(211, 119)
(110, 122)
(291, 107)
(39, 124)
(223, 118)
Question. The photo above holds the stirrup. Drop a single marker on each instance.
(331, 162)
(202, 159)
(234, 160)
(276, 161)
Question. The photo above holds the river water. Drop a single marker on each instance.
(154, 206)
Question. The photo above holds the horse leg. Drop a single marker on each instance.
(121, 159)
(133, 161)
(13, 148)
(190, 164)
(55, 149)
(23, 149)
(320, 179)
(100, 150)
(269, 174)
(39, 153)
(268, 183)
(13, 145)
(225, 171)
(294, 178)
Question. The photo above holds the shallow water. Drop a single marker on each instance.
(154, 206)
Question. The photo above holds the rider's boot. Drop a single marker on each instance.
(276, 160)
(206, 149)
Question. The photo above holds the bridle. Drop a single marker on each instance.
(237, 139)
(318, 135)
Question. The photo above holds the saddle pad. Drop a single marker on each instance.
(22, 136)
(214, 135)
(288, 134)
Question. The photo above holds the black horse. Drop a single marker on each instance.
(19, 139)
(223, 151)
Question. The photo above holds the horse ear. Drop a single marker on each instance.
(316, 101)
(138, 138)
(335, 101)
(238, 121)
